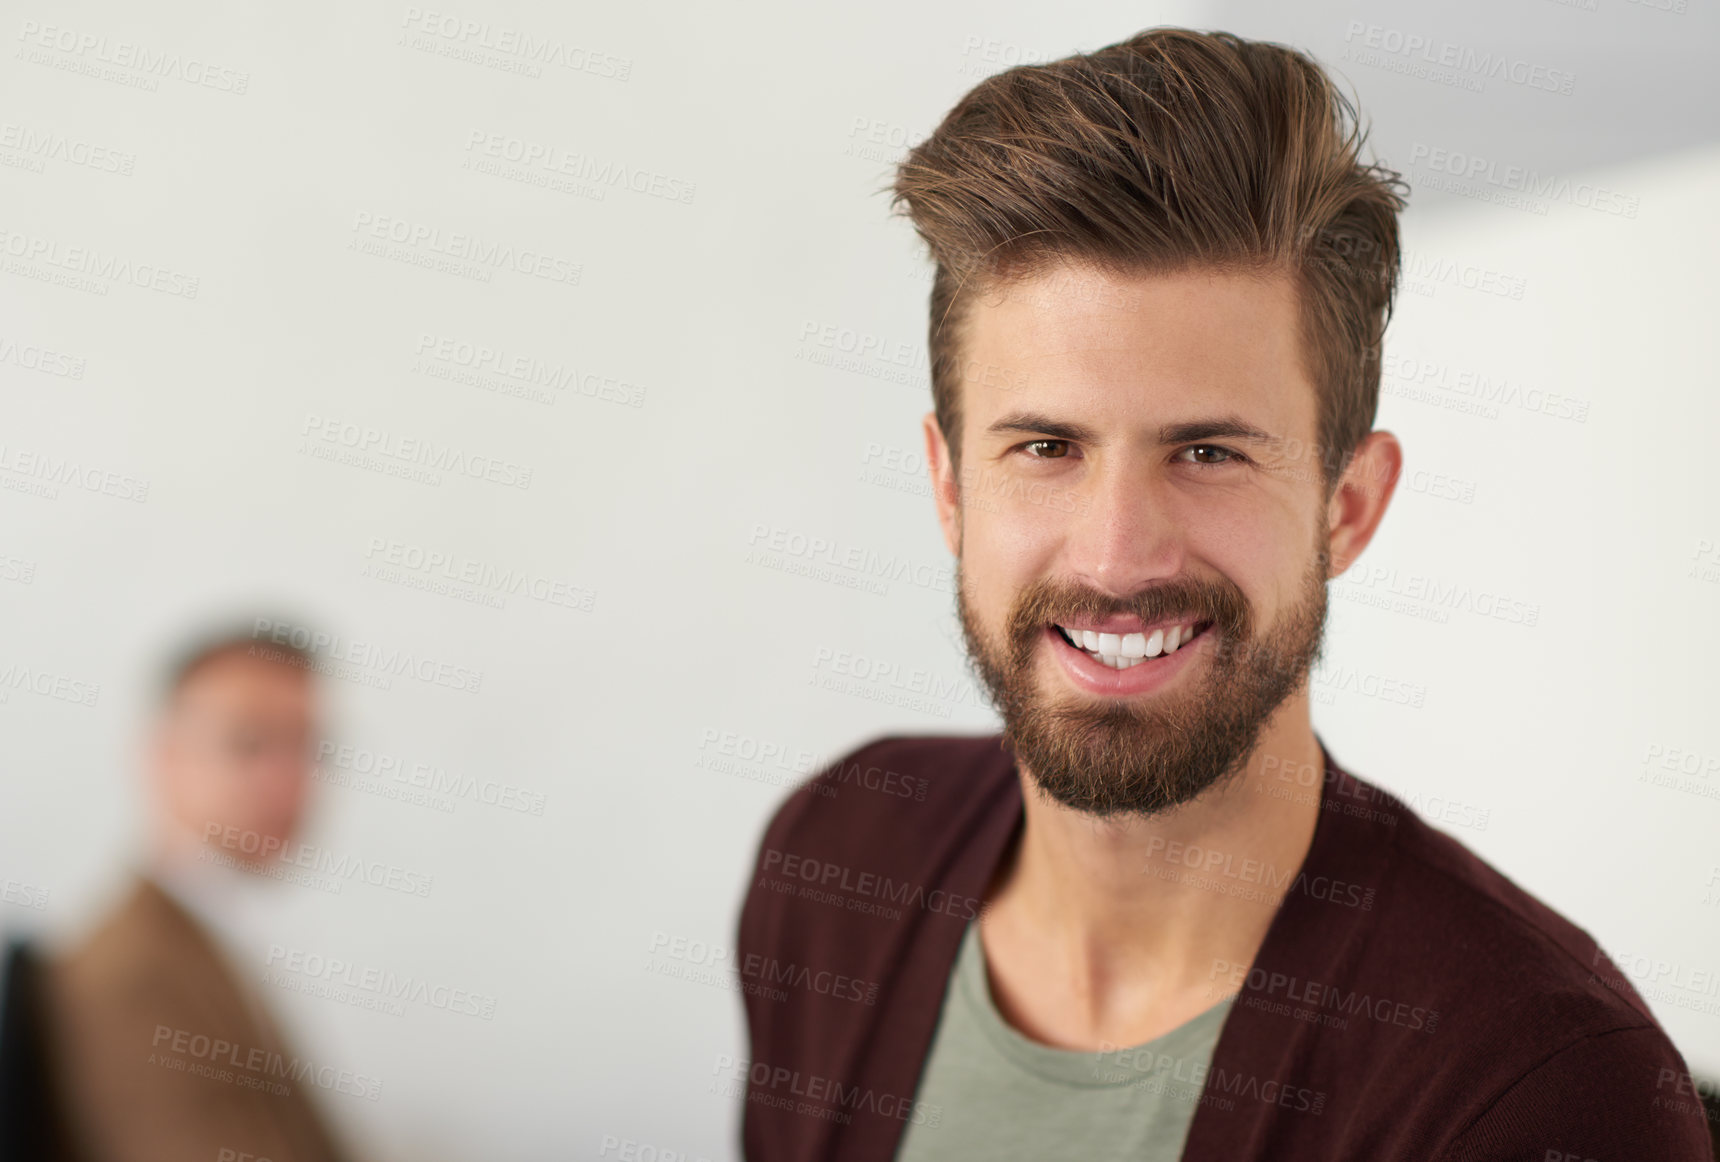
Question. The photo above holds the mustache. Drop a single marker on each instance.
(1047, 601)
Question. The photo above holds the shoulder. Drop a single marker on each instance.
(1625, 1093)
(1495, 936)
(890, 784)
(1549, 1042)
(144, 954)
(107, 997)
(893, 819)
(125, 944)
(864, 880)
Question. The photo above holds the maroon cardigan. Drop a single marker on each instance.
(1409, 1001)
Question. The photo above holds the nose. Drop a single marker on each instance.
(1126, 531)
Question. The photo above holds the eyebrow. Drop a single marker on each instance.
(1229, 427)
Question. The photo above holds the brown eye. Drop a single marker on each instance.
(1202, 452)
(1047, 449)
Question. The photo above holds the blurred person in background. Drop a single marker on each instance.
(160, 1049)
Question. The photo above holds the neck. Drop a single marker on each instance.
(1137, 920)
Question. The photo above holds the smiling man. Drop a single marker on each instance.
(1155, 918)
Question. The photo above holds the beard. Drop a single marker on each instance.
(1146, 755)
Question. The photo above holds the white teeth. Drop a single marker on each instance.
(1122, 651)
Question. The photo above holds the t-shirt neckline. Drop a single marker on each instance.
(1091, 1069)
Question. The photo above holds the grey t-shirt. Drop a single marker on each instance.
(991, 1093)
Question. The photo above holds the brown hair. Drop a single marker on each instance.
(1173, 149)
(228, 639)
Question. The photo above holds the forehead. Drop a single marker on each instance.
(1145, 347)
(233, 680)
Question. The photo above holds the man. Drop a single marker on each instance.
(162, 1050)
(1156, 919)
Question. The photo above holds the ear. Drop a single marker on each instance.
(944, 490)
(1359, 502)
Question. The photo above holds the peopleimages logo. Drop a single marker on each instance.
(1522, 179)
(602, 174)
(365, 440)
(257, 1068)
(801, 763)
(333, 650)
(100, 264)
(50, 472)
(47, 684)
(460, 246)
(319, 859)
(822, 881)
(819, 1096)
(1314, 996)
(153, 65)
(23, 895)
(856, 560)
(1463, 61)
(755, 969)
(338, 973)
(34, 357)
(48, 146)
(529, 370)
(1252, 878)
(426, 776)
(528, 47)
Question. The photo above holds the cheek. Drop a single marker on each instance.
(1018, 520)
(211, 795)
(1235, 537)
(1003, 551)
(1266, 561)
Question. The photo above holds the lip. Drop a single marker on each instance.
(1098, 678)
(1121, 623)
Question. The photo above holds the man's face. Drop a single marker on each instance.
(234, 753)
(1141, 531)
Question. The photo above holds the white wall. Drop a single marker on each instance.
(712, 308)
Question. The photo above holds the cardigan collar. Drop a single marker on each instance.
(1323, 916)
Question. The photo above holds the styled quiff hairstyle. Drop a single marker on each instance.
(1172, 150)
